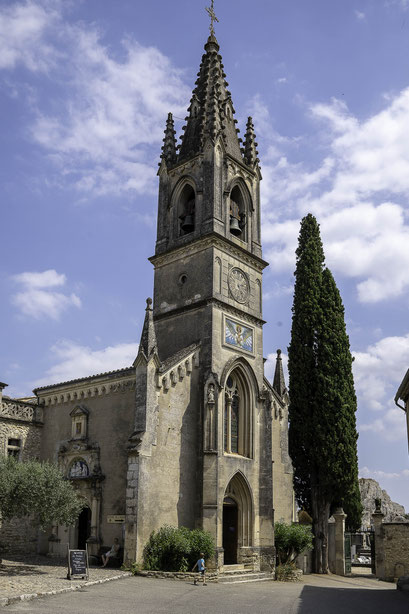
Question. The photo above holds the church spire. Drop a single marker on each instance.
(211, 112)
(279, 382)
(250, 146)
(148, 338)
(169, 142)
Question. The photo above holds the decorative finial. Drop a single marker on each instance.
(278, 353)
(148, 303)
(212, 16)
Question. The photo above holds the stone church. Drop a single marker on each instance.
(192, 434)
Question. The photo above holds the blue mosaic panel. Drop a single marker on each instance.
(239, 336)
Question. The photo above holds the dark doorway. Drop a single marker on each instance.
(84, 527)
(230, 531)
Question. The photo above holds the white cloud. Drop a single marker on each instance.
(74, 361)
(111, 109)
(23, 29)
(357, 191)
(360, 15)
(379, 370)
(377, 373)
(391, 426)
(37, 300)
(365, 472)
(46, 279)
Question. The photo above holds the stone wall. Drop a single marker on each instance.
(19, 421)
(108, 401)
(392, 550)
(283, 493)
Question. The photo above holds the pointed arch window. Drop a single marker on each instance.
(186, 210)
(237, 415)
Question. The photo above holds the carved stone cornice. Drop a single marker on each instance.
(17, 410)
(238, 313)
(175, 373)
(81, 393)
(211, 240)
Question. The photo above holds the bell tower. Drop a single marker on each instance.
(209, 202)
(208, 301)
(209, 427)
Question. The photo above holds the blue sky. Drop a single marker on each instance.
(85, 89)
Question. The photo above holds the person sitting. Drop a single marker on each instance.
(111, 553)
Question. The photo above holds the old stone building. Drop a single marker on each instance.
(403, 395)
(192, 434)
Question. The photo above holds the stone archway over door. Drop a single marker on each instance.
(237, 519)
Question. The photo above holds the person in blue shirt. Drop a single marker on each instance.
(201, 568)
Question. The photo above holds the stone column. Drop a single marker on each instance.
(229, 402)
(339, 517)
(93, 540)
(377, 519)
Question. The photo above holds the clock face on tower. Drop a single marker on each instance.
(238, 285)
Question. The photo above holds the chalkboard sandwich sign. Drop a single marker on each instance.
(78, 563)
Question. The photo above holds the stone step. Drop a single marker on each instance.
(234, 572)
(250, 576)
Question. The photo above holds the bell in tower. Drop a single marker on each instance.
(235, 219)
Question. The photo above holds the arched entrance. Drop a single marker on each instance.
(237, 518)
(84, 528)
(230, 526)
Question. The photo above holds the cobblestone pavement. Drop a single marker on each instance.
(41, 574)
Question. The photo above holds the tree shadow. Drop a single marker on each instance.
(320, 600)
(30, 565)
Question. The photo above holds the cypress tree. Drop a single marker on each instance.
(322, 408)
(302, 356)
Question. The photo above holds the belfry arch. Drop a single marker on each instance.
(237, 518)
(184, 200)
(240, 209)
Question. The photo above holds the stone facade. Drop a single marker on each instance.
(192, 434)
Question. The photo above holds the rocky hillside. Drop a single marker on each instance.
(370, 490)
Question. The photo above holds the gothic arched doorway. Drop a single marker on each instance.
(237, 518)
(84, 527)
(230, 517)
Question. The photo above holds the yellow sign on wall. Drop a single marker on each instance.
(116, 518)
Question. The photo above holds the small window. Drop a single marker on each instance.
(79, 422)
(14, 448)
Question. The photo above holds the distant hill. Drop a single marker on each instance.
(370, 490)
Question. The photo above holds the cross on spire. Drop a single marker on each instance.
(212, 16)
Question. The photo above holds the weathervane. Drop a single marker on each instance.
(212, 16)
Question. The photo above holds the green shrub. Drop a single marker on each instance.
(172, 549)
(200, 541)
(291, 540)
